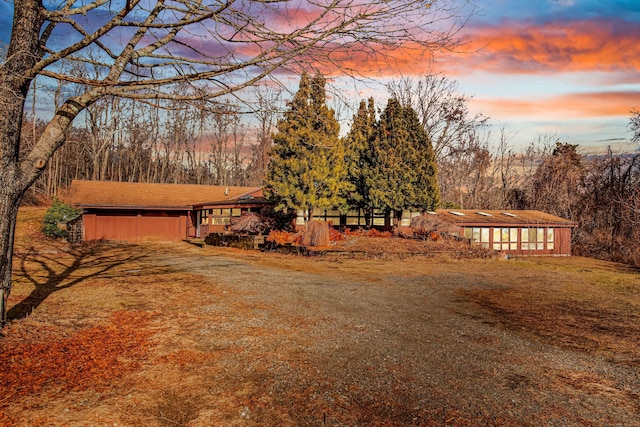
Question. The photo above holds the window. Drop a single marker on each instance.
(354, 218)
(478, 235)
(407, 216)
(331, 216)
(300, 217)
(216, 216)
(223, 216)
(378, 217)
(505, 239)
(550, 234)
(534, 239)
(203, 218)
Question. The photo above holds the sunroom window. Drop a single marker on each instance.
(505, 239)
(533, 238)
(479, 235)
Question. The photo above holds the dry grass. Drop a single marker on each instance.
(580, 303)
(174, 335)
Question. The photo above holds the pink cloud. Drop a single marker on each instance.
(514, 48)
(569, 106)
(598, 45)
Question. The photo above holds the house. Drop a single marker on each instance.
(519, 232)
(162, 212)
(170, 212)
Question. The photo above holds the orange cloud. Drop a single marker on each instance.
(509, 48)
(381, 61)
(598, 45)
(512, 48)
(569, 106)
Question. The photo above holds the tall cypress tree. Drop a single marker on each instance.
(357, 156)
(403, 170)
(307, 169)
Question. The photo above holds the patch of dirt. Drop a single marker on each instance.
(175, 335)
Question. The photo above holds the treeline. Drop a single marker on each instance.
(173, 142)
(477, 168)
(600, 193)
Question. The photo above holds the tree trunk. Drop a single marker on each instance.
(397, 220)
(16, 78)
(10, 196)
(18, 171)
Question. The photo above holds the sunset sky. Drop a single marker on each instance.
(567, 69)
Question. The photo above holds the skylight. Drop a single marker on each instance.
(509, 214)
(483, 213)
(457, 213)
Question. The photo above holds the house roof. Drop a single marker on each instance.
(253, 197)
(506, 218)
(131, 195)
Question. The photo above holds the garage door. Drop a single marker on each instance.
(148, 227)
(159, 228)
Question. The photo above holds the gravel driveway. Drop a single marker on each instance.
(331, 341)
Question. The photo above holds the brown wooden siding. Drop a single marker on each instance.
(563, 241)
(132, 227)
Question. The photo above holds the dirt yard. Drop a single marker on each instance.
(176, 335)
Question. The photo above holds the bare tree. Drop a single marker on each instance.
(557, 180)
(146, 47)
(455, 133)
(634, 124)
(443, 110)
(224, 122)
(266, 112)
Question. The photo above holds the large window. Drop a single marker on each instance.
(300, 217)
(223, 216)
(536, 238)
(479, 235)
(505, 239)
(355, 218)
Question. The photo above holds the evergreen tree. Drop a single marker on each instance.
(357, 156)
(307, 168)
(403, 170)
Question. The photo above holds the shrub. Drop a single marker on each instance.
(250, 223)
(282, 237)
(59, 212)
(429, 226)
(268, 220)
(278, 220)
